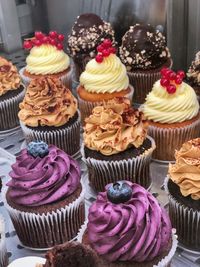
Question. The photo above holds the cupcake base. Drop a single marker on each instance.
(132, 165)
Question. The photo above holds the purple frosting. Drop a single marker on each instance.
(38, 181)
(137, 230)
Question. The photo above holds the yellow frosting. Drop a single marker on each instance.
(46, 59)
(160, 106)
(114, 127)
(186, 171)
(106, 77)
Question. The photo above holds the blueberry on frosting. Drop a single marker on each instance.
(38, 149)
(119, 192)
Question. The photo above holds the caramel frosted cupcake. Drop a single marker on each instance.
(104, 78)
(183, 187)
(172, 110)
(116, 145)
(46, 58)
(45, 198)
(11, 94)
(144, 53)
(193, 74)
(3, 251)
(87, 33)
(49, 113)
(127, 227)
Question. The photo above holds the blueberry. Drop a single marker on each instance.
(38, 149)
(119, 192)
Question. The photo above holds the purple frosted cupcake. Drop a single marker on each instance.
(45, 198)
(127, 227)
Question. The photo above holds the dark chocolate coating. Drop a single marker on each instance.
(86, 21)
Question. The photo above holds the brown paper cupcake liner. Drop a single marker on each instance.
(86, 107)
(43, 231)
(67, 139)
(185, 220)
(169, 139)
(3, 250)
(9, 109)
(136, 170)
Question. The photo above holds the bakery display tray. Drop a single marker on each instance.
(10, 146)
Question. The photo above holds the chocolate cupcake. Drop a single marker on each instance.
(116, 145)
(45, 198)
(49, 112)
(127, 227)
(193, 74)
(3, 251)
(183, 188)
(144, 53)
(11, 94)
(88, 32)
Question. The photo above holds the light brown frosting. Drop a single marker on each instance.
(114, 127)
(9, 76)
(186, 171)
(47, 103)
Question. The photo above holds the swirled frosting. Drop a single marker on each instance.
(9, 77)
(106, 77)
(186, 171)
(39, 181)
(160, 106)
(47, 102)
(46, 59)
(114, 127)
(193, 74)
(137, 230)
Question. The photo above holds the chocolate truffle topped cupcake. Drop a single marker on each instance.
(87, 33)
(193, 74)
(144, 53)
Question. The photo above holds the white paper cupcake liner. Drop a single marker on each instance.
(185, 220)
(136, 169)
(67, 139)
(169, 139)
(43, 231)
(86, 107)
(3, 250)
(66, 78)
(165, 262)
(9, 109)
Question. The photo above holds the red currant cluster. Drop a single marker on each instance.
(104, 50)
(40, 38)
(169, 79)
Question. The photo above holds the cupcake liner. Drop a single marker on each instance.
(9, 109)
(65, 78)
(165, 262)
(136, 170)
(67, 139)
(43, 231)
(30, 261)
(3, 251)
(169, 139)
(86, 107)
(185, 220)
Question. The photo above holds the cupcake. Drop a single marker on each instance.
(183, 187)
(49, 113)
(11, 94)
(104, 78)
(193, 74)
(144, 53)
(46, 58)
(45, 198)
(116, 145)
(87, 33)
(127, 227)
(27, 261)
(172, 110)
(3, 251)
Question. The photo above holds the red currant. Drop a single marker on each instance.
(99, 58)
(53, 42)
(60, 46)
(100, 48)
(27, 45)
(107, 43)
(61, 37)
(167, 74)
(181, 73)
(105, 53)
(171, 89)
(45, 40)
(178, 79)
(163, 71)
(112, 50)
(39, 35)
(172, 76)
(53, 34)
(164, 82)
(37, 42)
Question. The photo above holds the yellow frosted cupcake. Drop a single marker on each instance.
(172, 110)
(104, 78)
(46, 58)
